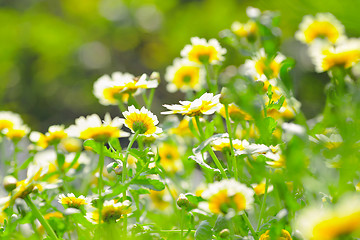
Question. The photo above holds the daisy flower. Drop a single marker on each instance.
(9, 119)
(248, 29)
(342, 220)
(259, 188)
(235, 113)
(261, 67)
(284, 235)
(344, 54)
(111, 212)
(203, 52)
(53, 137)
(223, 144)
(16, 133)
(322, 26)
(118, 87)
(71, 201)
(184, 75)
(207, 104)
(226, 196)
(182, 128)
(142, 121)
(91, 127)
(170, 158)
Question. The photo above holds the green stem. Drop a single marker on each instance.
(209, 149)
(121, 106)
(228, 127)
(124, 175)
(208, 79)
(248, 223)
(100, 185)
(150, 99)
(182, 223)
(40, 217)
(263, 205)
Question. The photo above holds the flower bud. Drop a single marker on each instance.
(225, 233)
(183, 201)
(225, 97)
(9, 183)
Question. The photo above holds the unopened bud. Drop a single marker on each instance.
(155, 76)
(183, 201)
(225, 233)
(151, 154)
(9, 183)
(225, 97)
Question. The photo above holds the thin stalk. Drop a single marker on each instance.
(100, 184)
(248, 223)
(40, 217)
(124, 175)
(208, 79)
(263, 205)
(182, 224)
(209, 149)
(228, 127)
(150, 99)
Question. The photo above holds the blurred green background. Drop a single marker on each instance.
(53, 51)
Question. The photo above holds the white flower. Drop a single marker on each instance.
(185, 75)
(207, 104)
(9, 119)
(322, 26)
(141, 120)
(201, 51)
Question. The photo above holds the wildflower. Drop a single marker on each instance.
(91, 127)
(111, 211)
(203, 52)
(16, 133)
(9, 119)
(53, 137)
(183, 129)
(223, 144)
(344, 55)
(184, 75)
(228, 195)
(342, 220)
(71, 201)
(119, 87)
(330, 142)
(235, 113)
(322, 26)
(47, 160)
(285, 235)
(71, 144)
(142, 121)
(248, 29)
(170, 158)
(262, 67)
(259, 189)
(161, 199)
(206, 104)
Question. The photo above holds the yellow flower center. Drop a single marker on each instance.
(203, 54)
(271, 70)
(169, 157)
(100, 134)
(141, 122)
(73, 202)
(337, 226)
(16, 134)
(187, 76)
(235, 113)
(114, 93)
(343, 59)
(221, 202)
(321, 29)
(6, 124)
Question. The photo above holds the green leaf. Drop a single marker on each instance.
(266, 127)
(26, 163)
(60, 160)
(204, 231)
(220, 224)
(207, 141)
(114, 143)
(152, 184)
(193, 198)
(96, 146)
(198, 158)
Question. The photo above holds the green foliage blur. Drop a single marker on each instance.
(53, 51)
